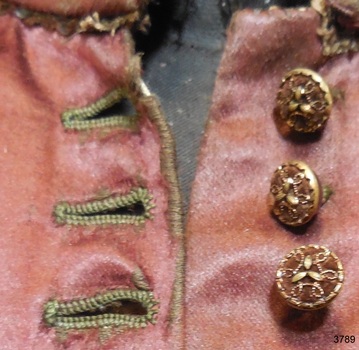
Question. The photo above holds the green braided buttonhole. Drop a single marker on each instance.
(115, 308)
(133, 208)
(93, 116)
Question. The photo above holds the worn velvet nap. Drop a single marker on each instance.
(233, 244)
(42, 75)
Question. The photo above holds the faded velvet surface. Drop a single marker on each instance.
(233, 244)
(42, 75)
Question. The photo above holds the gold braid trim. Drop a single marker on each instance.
(68, 25)
(334, 42)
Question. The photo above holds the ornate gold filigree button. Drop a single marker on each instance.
(295, 193)
(310, 277)
(304, 100)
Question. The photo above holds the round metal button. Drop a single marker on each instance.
(310, 277)
(304, 101)
(295, 194)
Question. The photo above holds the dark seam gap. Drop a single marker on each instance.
(115, 308)
(92, 116)
(132, 208)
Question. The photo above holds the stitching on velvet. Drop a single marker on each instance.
(81, 118)
(102, 212)
(139, 280)
(76, 314)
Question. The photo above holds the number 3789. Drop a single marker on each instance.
(344, 339)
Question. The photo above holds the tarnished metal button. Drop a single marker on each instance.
(295, 193)
(310, 277)
(304, 100)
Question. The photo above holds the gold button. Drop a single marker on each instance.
(310, 277)
(304, 101)
(295, 193)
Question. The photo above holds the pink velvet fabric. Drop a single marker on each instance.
(234, 245)
(82, 7)
(42, 75)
